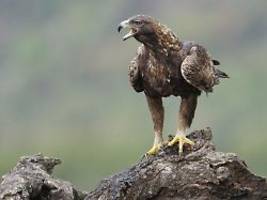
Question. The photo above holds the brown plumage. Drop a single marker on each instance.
(166, 66)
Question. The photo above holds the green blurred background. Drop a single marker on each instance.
(64, 88)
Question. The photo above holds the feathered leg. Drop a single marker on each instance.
(185, 117)
(157, 113)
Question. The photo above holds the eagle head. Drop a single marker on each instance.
(151, 33)
(140, 26)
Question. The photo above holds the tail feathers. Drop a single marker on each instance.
(221, 74)
(216, 62)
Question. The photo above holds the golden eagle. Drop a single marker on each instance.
(166, 66)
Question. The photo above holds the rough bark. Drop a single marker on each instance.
(31, 179)
(200, 173)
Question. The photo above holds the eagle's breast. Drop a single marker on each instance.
(160, 76)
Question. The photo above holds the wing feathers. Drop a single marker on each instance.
(221, 74)
(216, 62)
(134, 73)
(198, 69)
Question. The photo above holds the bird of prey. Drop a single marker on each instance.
(165, 66)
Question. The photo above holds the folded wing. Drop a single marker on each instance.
(199, 70)
(134, 73)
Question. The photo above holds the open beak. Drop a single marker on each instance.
(125, 24)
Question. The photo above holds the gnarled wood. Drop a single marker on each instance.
(31, 179)
(201, 173)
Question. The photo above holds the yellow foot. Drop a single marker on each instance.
(154, 150)
(182, 140)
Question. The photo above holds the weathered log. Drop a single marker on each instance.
(31, 179)
(200, 173)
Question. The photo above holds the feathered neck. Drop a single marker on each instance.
(162, 41)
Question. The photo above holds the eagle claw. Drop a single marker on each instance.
(181, 139)
(154, 150)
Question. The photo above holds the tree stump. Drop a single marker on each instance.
(200, 173)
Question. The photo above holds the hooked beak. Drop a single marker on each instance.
(126, 24)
